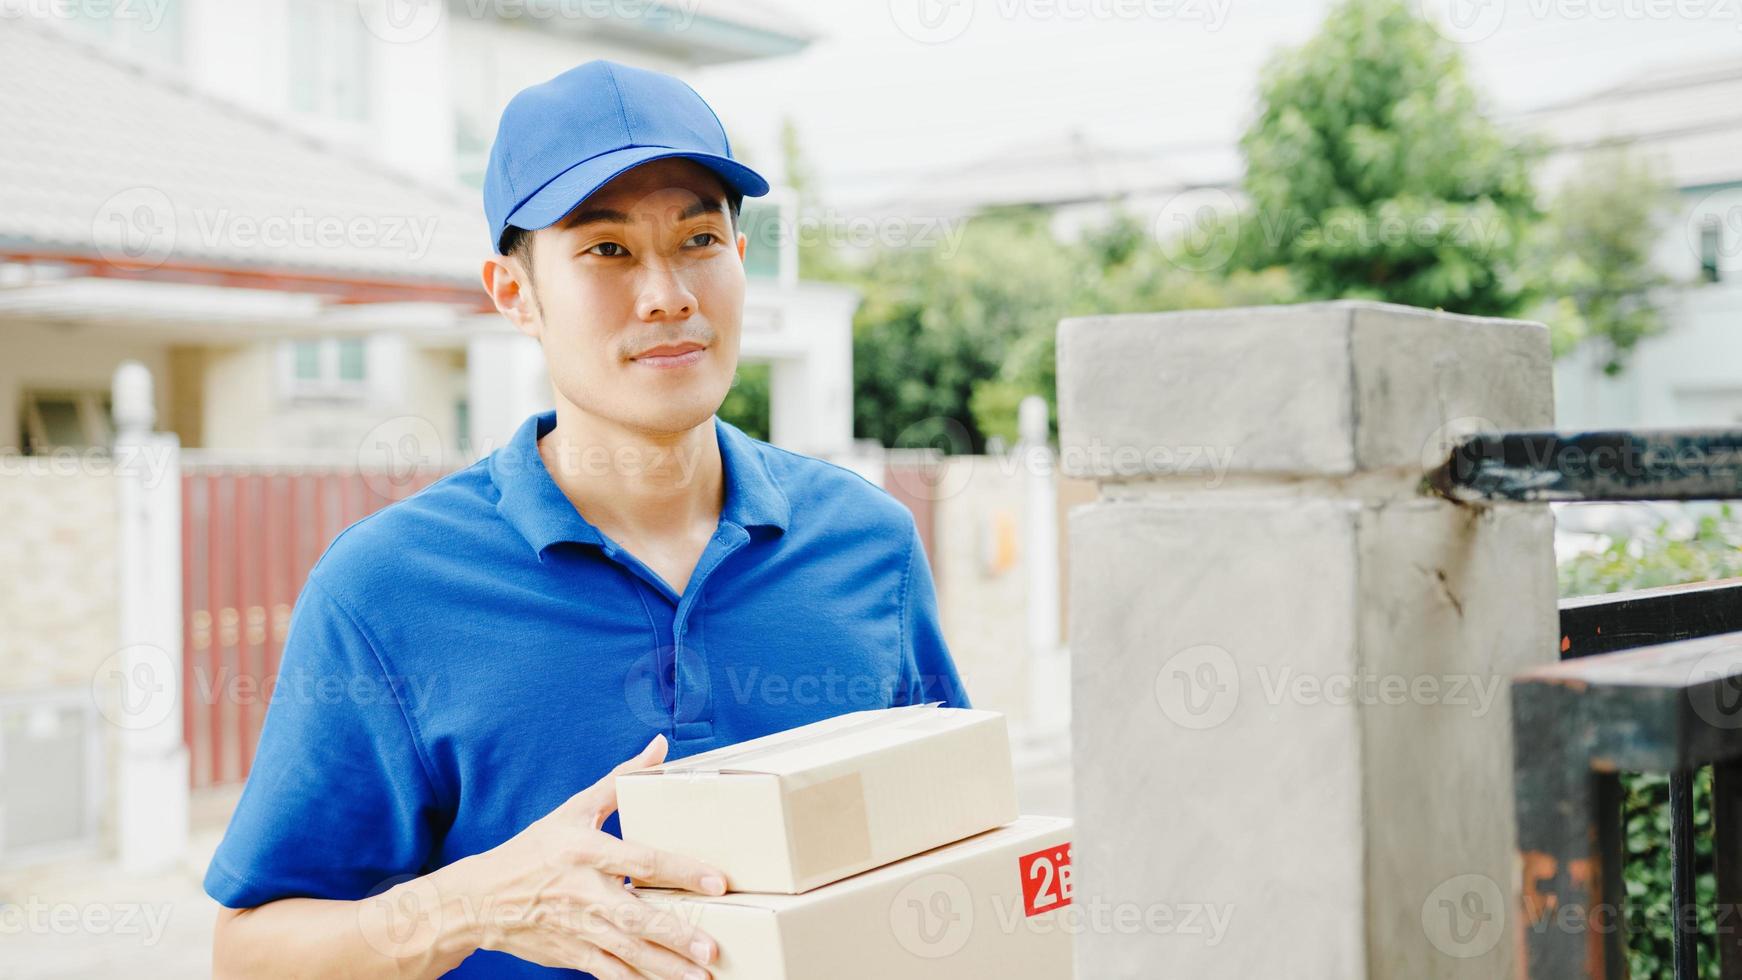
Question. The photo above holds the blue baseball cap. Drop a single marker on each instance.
(561, 140)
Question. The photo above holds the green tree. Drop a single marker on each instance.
(1126, 271)
(747, 402)
(1594, 256)
(939, 320)
(950, 338)
(1374, 173)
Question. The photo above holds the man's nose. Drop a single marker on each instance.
(664, 294)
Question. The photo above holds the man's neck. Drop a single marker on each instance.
(635, 484)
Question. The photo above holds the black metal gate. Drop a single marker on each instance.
(1649, 681)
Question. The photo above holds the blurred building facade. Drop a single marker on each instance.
(273, 206)
(1682, 120)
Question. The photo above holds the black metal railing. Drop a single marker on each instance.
(1668, 708)
(1543, 467)
(1627, 620)
(1648, 682)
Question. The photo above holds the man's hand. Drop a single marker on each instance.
(553, 894)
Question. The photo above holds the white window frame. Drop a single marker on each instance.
(327, 385)
(1712, 233)
(98, 429)
(331, 21)
(784, 200)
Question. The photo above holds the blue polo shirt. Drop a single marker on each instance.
(463, 661)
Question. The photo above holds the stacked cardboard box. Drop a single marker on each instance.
(872, 845)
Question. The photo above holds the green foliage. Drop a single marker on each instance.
(747, 401)
(1594, 255)
(1646, 875)
(1374, 174)
(937, 321)
(1146, 282)
(957, 335)
(1713, 550)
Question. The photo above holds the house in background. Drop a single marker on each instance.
(1680, 119)
(266, 205)
(273, 206)
(285, 296)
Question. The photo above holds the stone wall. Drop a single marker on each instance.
(58, 625)
(58, 576)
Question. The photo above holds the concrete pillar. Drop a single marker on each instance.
(139, 688)
(1290, 729)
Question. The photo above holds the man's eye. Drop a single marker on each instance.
(705, 238)
(609, 250)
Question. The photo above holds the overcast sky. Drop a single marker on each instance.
(898, 88)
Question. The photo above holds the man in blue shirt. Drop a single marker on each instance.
(628, 577)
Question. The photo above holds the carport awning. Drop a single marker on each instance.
(180, 312)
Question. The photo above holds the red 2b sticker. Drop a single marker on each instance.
(1046, 879)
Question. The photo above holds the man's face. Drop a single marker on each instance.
(639, 298)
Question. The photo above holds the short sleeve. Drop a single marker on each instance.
(338, 800)
(931, 672)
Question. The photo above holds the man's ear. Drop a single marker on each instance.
(742, 242)
(504, 281)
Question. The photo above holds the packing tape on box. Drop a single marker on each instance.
(727, 758)
(930, 721)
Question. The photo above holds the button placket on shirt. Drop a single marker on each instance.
(693, 699)
(644, 577)
(687, 674)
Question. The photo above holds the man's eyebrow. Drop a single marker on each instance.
(599, 215)
(700, 208)
(594, 216)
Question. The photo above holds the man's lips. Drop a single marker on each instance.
(670, 355)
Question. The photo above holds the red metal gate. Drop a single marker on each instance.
(914, 480)
(250, 534)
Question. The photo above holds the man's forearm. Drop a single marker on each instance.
(417, 929)
(553, 894)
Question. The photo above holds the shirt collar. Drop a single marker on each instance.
(753, 499)
(535, 506)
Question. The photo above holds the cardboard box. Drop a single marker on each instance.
(993, 906)
(798, 809)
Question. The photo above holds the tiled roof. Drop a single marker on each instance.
(99, 156)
